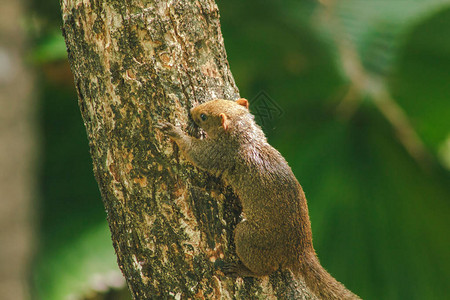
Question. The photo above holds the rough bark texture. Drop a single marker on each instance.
(135, 62)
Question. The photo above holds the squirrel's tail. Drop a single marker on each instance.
(320, 281)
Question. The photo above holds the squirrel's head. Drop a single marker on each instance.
(217, 116)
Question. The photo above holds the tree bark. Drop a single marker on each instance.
(135, 62)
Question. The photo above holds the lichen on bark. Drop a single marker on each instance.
(136, 62)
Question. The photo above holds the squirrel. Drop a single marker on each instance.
(276, 232)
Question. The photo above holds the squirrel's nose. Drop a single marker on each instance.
(193, 117)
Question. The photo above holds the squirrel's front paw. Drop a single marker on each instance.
(169, 129)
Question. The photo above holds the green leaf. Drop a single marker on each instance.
(421, 85)
(377, 29)
(395, 54)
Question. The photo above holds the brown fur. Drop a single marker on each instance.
(276, 232)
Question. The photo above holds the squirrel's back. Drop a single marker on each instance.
(276, 232)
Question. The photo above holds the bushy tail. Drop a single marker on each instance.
(321, 282)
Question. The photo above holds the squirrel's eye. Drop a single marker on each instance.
(203, 117)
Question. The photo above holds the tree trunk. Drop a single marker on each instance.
(18, 152)
(136, 62)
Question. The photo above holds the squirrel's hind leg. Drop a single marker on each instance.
(257, 251)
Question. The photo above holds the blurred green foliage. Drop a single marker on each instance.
(379, 196)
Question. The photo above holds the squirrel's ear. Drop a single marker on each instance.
(225, 121)
(242, 102)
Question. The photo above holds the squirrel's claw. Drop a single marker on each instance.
(230, 269)
(235, 269)
(163, 126)
(169, 129)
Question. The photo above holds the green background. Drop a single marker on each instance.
(380, 216)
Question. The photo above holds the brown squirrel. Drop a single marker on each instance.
(276, 231)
